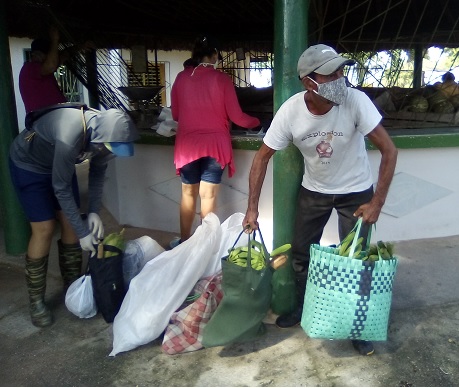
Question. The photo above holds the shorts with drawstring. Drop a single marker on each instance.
(205, 169)
(36, 194)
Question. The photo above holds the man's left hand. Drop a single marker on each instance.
(369, 212)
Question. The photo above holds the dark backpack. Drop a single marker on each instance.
(107, 282)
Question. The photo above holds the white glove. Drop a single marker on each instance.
(95, 225)
(88, 243)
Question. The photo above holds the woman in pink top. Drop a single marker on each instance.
(204, 102)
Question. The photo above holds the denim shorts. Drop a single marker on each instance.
(36, 194)
(205, 169)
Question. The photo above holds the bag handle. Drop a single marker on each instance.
(238, 237)
(249, 255)
(357, 227)
(265, 251)
(249, 251)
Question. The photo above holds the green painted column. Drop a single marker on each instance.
(290, 40)
(16, 229)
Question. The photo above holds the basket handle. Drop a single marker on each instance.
(357, 227)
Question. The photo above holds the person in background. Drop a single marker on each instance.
(204, 102)
(42, 167)
(327, 123)
(37, 84)
(448, 86)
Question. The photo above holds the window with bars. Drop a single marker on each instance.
(249, 69)
(69, 84)
(405, 98)
(252, 73)
(154, 76)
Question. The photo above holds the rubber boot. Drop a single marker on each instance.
(294, 318)
(70, 260)
(35, 273)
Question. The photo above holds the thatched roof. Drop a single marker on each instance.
(351, 25)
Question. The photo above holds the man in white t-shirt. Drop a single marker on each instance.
(327, 123)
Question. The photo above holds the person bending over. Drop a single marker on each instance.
(42, 166)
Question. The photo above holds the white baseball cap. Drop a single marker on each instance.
(321, 59)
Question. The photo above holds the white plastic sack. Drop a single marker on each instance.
(79, 298)
(231, 228)
(162, 285)
(137, 253)
(166, 125)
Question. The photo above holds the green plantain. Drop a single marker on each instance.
(282, 249)
(345, 244)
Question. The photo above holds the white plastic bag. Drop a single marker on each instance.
(79, 298)
(162, 285)
(137, 253)
(231, 228)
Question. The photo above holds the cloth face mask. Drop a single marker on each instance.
(334, 91)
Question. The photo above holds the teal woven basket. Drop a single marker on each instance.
(347, 298)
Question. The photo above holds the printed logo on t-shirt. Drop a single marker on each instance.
(324, 149)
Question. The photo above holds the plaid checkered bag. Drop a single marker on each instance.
(347, 298)
(184, 332)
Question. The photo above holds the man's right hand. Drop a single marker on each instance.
(250, 223)
(88, 243)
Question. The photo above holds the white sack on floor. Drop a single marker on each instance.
(162, 285)
(137, 253)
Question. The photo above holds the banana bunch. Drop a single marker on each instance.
(113, 239)
(239, 255)
(386, 250)
(344, 247)
(278, 256)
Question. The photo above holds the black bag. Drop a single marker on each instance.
(108, 282)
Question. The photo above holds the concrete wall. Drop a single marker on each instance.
(423, 200)
(144, 191)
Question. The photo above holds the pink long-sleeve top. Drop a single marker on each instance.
(38, 90)
(204, 102)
